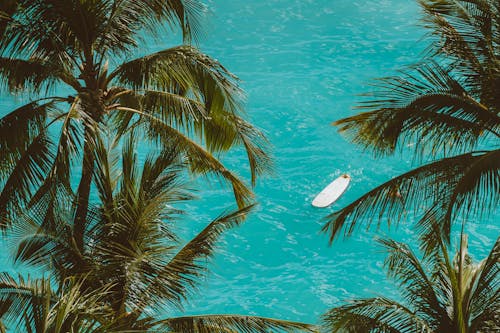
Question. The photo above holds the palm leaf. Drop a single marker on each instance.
(429, 109)
(56, 188)
(416, 287)
(126, 17)
(106, 173)
(32, 75)
(36, 31)
(179, 70)
(132, 240)
(478, 190)
(184, 270)
(174, 109)
(425, 185)
(185, 71)
(466, 31)
(26, 301)
(485, 294)
(226, 130)
(43, 238)
(29, 172)
(375, 315)
(233, 324)
(18, 129)
(34, 307)
(219, 130)
(189, 14)
(200, 161)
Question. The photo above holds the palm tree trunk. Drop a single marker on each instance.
(83, 193)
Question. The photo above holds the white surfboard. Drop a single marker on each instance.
(332, 192)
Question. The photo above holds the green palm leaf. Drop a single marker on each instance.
(429, 110)
(33, 75)
(484, 296)
(233, 324)
(181, 274)
(186, 72)
(18, 129)
(440, 294)
(374, 315)
(124, 18)
(432, 185)
(32, 306)
(467, 32)
(45, 240)
(403, 266)
(200, 160)
(444, 108)
(28, 173)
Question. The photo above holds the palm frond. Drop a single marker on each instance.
(415, 284)
(433, 231)
(442, 295)
(478, 189)
(194, 77)
(374, 315)
(428, 109)
(161, 177)
(28, 173)
(177, 110)
(200, 160)
(43, 233)
(120, 25)
(424, 186)
(18, 129)
(34, 307)
(133, 239)
(475, 193)
(220, 130)
(32, 75)
(125, 18)
(224, 130)
(180, 70)
(484, 299)
(56, 188)
(186, 72)
(26, 300)
(466, 31)
(187, 14)
(37, 31)
(233, 324)
(181, 274)
(106, 173)
(42, 237)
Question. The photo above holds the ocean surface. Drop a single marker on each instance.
(302, 64)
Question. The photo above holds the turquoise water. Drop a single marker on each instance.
(302, 63)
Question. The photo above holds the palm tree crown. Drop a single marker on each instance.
(447, 108)
(130, 246)
(175, 97)
(31, 305)
(439, 294)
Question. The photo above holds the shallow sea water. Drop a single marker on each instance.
(302, 63)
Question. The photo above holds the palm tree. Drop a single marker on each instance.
(130, 243)
(438, 294)
(176, 97)
(447, 108)
(32, 305)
